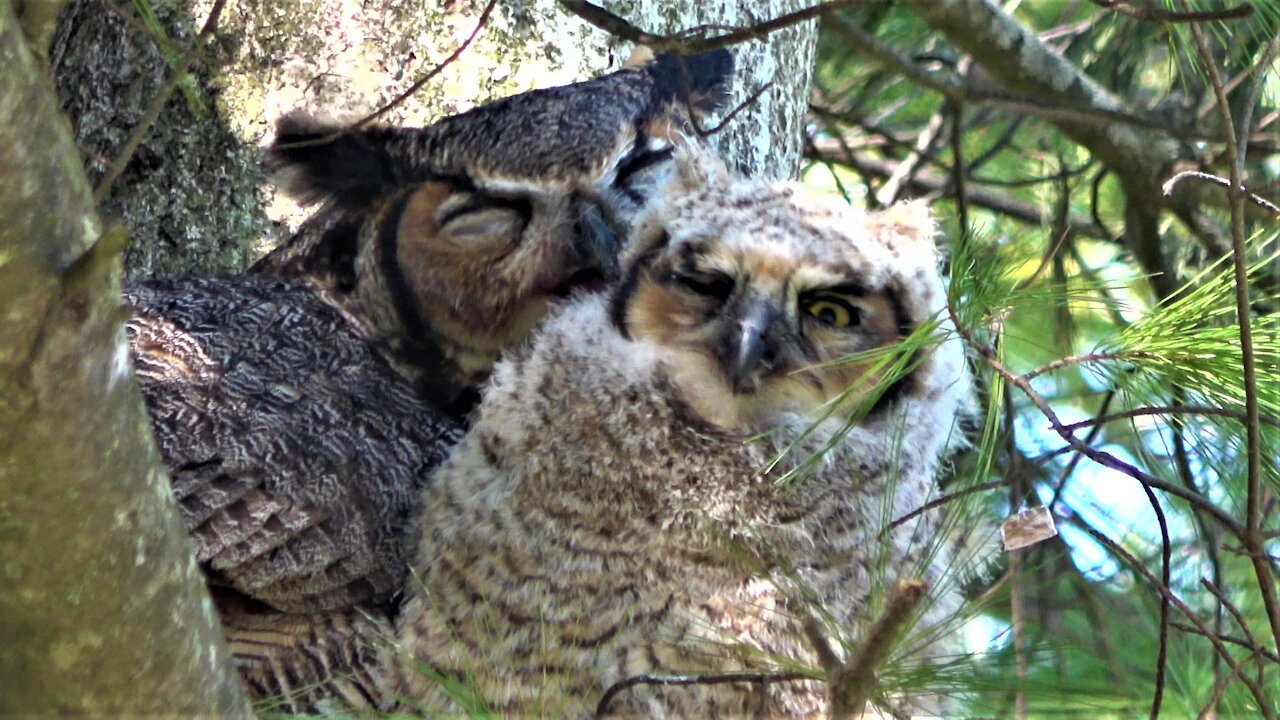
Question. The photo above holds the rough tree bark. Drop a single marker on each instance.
(102, 607)
(193, 194)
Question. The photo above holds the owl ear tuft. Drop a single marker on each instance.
(319, 160)
(700, 82)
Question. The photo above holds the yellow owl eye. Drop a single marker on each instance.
(833, 312)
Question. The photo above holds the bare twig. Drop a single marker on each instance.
(1102, 458)
(1089, 437)
(692, 40)
(1166, 577)
(417, 85)
(957, 163)
(1225, 602)
(852, 681)
(177, 73)
(1086, 359)
(1137, 566)
(1045, 260)
(1152, 12)
(1170, 410)
(1252, 539)
(1264, 652)
(1220, 687)
(1002, 142)
(1208, 531)
(1017, 604)
(731, 114)
(891, 190)
(1173, 182)
(1255, 91)
(940, 501)
(1017, 623)
(927, 182)
(1094, 189)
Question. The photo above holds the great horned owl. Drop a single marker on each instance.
(445, 243)
(614, 511)
(299, 409)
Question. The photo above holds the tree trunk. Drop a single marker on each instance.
(102, 607)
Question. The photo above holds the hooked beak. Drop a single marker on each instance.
(590, 261)
(598, 239)
(750, 353)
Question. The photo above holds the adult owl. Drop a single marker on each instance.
(300, 408)
(616, 509)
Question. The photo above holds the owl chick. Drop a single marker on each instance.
(300, 408)
(614, 512)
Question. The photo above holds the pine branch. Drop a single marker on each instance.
(853, 681)
(1251, 538)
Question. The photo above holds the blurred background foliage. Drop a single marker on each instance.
(1105, 297)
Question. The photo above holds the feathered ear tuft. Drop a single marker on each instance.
(700, 81)
(323, 161)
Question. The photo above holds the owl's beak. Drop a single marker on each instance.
(591, 261)
(598, 239)
(751, 352)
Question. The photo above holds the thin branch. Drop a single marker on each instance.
(1208, 532)
(957, 163)
(1255, 91)
(1017, 604)
(1225, 602)
(1137, 566)
(1155, 13)
(1268, 654)
(1170, 410)
(1095, 188)
(139, 134)
(891, 191)
(1002, 142)
(938, 502)
(1045, 259)
(751, 100)
(853, 681)
(689, 40)
(1253, 498)
(927, 182)
(1166, 577)
(1102, 458)
(1092, 435)
(1173, 182)
(1220, 687)
(1086, 359)
(888, 57)
(417, 85)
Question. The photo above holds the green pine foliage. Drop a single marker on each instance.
(1062, 300)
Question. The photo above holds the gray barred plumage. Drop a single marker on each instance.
(295, 451)
(613, 511)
